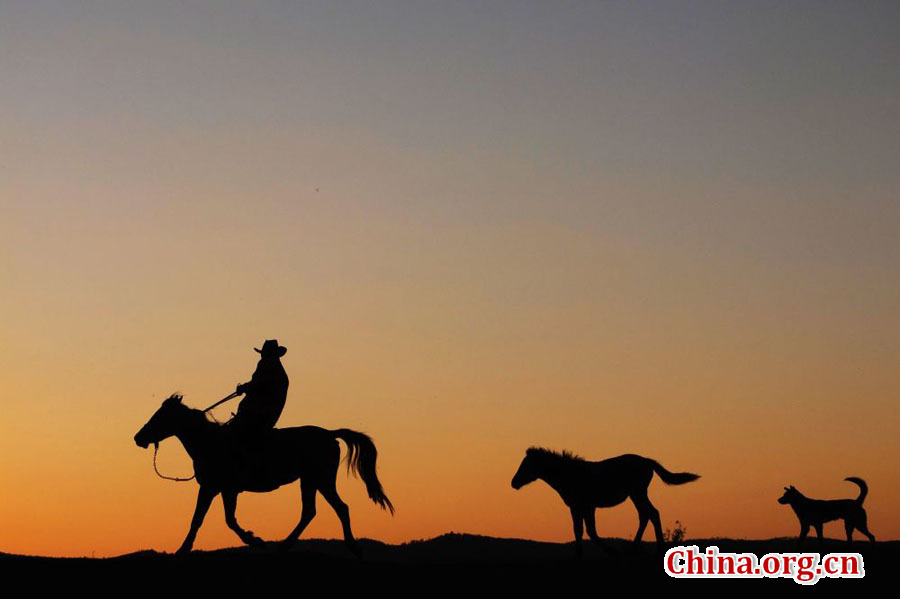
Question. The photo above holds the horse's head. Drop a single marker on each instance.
(162, 424)
(527, 472)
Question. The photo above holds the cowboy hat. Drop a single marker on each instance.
(271, 347)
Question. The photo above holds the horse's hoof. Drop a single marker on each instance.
(285, 545)
(183, 551)
(356, 550)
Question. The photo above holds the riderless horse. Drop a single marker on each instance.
(585, 486)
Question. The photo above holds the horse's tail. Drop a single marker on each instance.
(361, 456)
(863, 488)
(673, 478)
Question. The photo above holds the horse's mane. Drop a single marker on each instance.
(564, 455)
(198, 416)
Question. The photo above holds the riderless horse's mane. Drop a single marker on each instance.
(543, 452)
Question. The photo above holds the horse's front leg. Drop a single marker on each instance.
(204, 498)
(229, 501)
(591, 525)
(578, 529)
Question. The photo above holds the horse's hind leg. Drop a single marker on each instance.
(308, 497)
(229, 502)
(643, 519)
(343, 513)
(647, 511)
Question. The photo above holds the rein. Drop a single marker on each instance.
(156, 445)
(221, 401)
(155, 469)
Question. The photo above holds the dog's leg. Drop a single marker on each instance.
(848, 528)
(804, 530)
(863, 528)
(819, 527)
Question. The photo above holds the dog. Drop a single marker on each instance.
(816, 512)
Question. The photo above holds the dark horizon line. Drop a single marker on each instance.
(443, 536)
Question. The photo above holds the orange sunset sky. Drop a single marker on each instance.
(666, 228)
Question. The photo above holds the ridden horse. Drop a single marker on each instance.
(585, 486)
(308, 453)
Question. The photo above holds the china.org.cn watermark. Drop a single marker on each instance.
(803, 568)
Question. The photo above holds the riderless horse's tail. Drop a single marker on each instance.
(361, 455)
(673, 478)
(863, 488)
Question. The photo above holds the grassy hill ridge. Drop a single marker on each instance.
(450, 561)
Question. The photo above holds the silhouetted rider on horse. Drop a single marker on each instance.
(246, 454)
(264, 397)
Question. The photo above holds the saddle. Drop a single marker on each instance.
(248, 449)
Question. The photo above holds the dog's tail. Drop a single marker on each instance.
(673, 478)
(863, 488)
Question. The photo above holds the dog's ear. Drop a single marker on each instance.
(786, 489)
